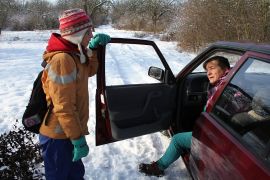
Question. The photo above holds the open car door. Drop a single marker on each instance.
(129, 103)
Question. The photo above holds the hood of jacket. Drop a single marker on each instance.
(57, 44)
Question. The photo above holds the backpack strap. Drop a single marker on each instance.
(47, 115)
(44, 64)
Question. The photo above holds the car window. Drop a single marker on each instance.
(129, 64)
(244, 106)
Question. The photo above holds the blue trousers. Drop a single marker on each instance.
(179, 144)
(57, 155)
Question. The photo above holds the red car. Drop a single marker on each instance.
(229, 141)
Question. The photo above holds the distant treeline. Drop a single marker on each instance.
(193, 23)
(41, 14)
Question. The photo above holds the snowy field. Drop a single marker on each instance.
(20, 58)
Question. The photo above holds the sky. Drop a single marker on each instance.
(20, 58)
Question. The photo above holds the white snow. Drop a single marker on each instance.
(20, 58)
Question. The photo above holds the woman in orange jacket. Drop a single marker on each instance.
(70, 60)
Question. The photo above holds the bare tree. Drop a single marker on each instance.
(6, 9)
(41, 13)
(157, 9)
(97, 9)
(194, 23)
(149, 15)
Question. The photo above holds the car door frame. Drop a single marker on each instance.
(105, 136)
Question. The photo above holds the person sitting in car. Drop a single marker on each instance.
(217, 68)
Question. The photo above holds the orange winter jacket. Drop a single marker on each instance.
(65, 83)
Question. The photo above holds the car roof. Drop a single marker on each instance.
(261, 48)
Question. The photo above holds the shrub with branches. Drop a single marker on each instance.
(20, 156)
(204, 21)
(150, 15)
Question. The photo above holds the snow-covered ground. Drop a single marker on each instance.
(20, 58)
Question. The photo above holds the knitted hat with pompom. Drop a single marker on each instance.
(73, 25)
(72, 21)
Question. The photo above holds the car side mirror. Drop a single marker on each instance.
(156, 73)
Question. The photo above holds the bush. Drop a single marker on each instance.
(201, 22)
(20, 156)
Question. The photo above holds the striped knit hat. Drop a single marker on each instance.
(73, 21)
(73, 25)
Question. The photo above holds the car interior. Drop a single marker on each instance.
(193, 93)
(192, 100)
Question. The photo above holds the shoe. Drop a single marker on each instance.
(151, 169)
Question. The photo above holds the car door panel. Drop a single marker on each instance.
(134, 109)
(216, 154)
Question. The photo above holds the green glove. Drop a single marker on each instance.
(99, 39)
(81, 148)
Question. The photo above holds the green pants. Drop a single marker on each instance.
(179, 143)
